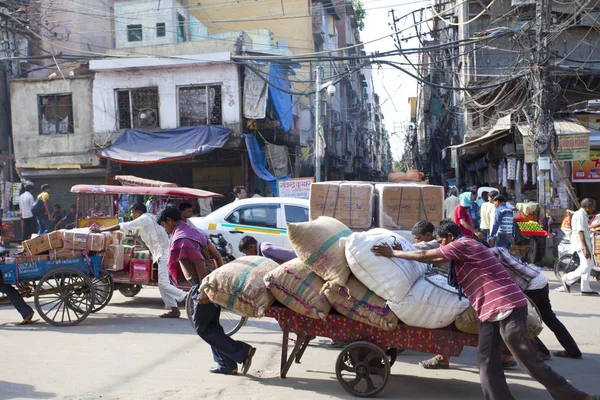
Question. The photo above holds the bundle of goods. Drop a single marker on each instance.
(430, 303)
(43, 243)
(401, 205)
(389, 278)
(357, 302)
(413, 175)
(114, 257)
(468, 322)
(298, 288)
(317, 244)
(239, 285)
(82, 239)
(352, 203)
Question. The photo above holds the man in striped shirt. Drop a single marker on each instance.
(500, 305)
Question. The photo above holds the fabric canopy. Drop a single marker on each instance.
(257, 161)
(561, 126)
(139, 147)
(282, 102)
(491, 136)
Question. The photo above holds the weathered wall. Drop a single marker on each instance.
(167, 80)
(33, 150)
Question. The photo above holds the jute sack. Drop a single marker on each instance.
(239, 285)
(317, 244)
(468, 322)
(357, 302)
(431, 303)
(299, 289)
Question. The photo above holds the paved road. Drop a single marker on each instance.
(126, 352)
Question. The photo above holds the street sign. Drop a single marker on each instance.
(298, 188)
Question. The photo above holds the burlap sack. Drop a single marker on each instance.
(467, 321)
(239, 285)
(317, 244)
(299, 289)
(357, 302)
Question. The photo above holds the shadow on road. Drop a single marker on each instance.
(11, 390)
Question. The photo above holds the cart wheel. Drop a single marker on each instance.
(230, 321)
(130, 290)
(103, 290)
(392, 354)
(64, 297)
(362, 369)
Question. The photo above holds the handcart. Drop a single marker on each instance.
(63, 290)
(363, 366)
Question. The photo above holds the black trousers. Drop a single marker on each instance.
(513, 332)
(29, 227)
(541, 298)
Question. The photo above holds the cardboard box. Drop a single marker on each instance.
(140, 271)
(351, 203)
(75, 239)
(401, 205)
(64, 253)
(114, 258)
(117, 237)
(99, 241)
(43, 243)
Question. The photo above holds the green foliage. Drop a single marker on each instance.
(359, 13)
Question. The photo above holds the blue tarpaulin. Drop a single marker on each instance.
(257, 161)
(139, 147)
(282, 102)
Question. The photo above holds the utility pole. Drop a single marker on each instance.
(318, 136)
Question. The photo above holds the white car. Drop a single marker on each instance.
(264, 218)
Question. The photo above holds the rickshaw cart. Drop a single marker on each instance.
(363, 367)
(63, 290)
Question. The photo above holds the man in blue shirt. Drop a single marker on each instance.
(503, 230)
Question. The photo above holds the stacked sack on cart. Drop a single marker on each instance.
(74, 243)
(336, 269)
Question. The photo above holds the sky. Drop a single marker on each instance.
(393, 87)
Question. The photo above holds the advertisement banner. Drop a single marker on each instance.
(588, 170)
(528, 149)
(298, 188)
(573, 147)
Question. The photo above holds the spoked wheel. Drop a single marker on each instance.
(362, 369)
(130, 290)
(64, 297)
(230, 321)
(565, 264)
(103, 290)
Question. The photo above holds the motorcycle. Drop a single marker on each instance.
(224, 248)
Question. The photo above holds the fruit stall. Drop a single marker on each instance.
(534, 236)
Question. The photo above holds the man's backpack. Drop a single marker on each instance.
(38, 208)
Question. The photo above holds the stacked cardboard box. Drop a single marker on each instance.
(351, 203)
(401, 205)
(43, 243)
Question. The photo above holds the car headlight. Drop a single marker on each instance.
(229, 249)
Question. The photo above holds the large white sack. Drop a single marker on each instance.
(431, 303)
(389, 278)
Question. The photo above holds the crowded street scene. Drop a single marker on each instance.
(262, 199)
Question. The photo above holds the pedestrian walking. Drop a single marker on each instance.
(485, 214)
(28, 223)
(581, 243)
(240, 193)
(450, 204)
(185, 252)
(157, 241)
(502, 233)
(500, 305)
(462, 217)
(43, 219)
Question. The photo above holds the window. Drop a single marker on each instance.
(55, 114)
(264, 216)
(137, 108)
(134, 33)
(296, 214)
(161, 30)
(180, 28)
(200, 105)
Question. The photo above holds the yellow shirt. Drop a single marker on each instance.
(45, 196)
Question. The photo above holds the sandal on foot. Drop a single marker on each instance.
(223, 371)
(170, 314)
(434, 363)
(248, 360)
(564, 354)
(28, 319)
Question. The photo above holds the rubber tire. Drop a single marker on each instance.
(370, 347)
(100, 303)
(130, 290)
(562, 263)
(189, 311)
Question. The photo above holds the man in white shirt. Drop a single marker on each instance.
(450, 204)
(240, 193)
(156, 239)
(26, 201)
(581, 242)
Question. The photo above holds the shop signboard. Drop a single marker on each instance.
(453, 158)
(298, 188)
(570, 147)
(587, 170)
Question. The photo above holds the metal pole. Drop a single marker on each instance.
(318, 124)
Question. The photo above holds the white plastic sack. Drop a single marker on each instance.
(389, 278)
(431, 303)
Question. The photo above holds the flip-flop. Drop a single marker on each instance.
(434, 363)
(169, 315)
(28, 319)
(248, 360)
(564, 354)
